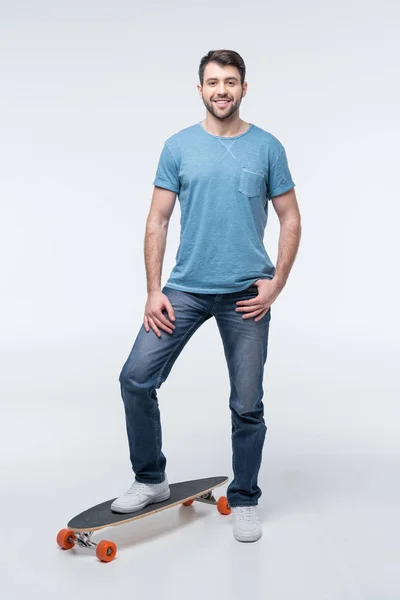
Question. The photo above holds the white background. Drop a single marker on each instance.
(89, 91)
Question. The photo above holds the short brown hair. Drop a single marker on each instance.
(223, 58)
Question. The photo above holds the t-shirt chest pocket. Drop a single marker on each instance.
(250, 182)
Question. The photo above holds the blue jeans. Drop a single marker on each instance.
(150, 362)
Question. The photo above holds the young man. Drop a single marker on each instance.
(225, 172)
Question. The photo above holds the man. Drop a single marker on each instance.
(225, 172)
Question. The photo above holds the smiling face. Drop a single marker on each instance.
(221, 91)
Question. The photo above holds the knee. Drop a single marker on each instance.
(134, 378)
(249, 413)
(124, 376)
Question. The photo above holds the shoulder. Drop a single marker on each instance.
(270, 141)
(183, 136)
(272, 149)
(177, 142)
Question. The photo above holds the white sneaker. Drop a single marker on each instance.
(140, 495)
(246, 526)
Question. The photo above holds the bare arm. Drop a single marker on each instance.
(288, 213)
(162, 205)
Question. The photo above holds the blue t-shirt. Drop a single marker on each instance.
(223, 185)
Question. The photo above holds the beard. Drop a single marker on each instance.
(222, 113)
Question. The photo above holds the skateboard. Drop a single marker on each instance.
(80, 529)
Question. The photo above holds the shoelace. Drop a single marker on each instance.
(136, 488)
(247, 513)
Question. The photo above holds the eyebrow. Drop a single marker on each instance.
(212, 78)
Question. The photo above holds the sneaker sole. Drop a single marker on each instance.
(126, 509)
(244, 538)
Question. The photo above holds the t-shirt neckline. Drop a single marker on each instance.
(224, 137)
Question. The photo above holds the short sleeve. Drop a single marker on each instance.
(167, 175)
(279, 177)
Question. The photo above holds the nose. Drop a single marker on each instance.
(221, 89)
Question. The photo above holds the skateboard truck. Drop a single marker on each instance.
(105, 550)
(83, 539)
(207, 498)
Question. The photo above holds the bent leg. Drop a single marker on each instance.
(147, 367)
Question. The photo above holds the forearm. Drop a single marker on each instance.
(154, 249)
(289, 240)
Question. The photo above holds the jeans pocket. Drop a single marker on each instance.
(250, 182)
(250, 292)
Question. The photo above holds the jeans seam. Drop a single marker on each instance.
(158, 445)
(217, 297)
(176, 349)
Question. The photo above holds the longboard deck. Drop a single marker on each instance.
(101, 515)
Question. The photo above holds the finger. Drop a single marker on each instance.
(146, 324)
(252, 314)
(264, 312)
(163, 320)
(249, 307)
(154, 327)
(165, 327)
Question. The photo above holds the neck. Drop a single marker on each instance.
(225, 128)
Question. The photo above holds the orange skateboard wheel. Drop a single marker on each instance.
(223, 506)
(66, 539)
(106, 551)
(188, 503)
